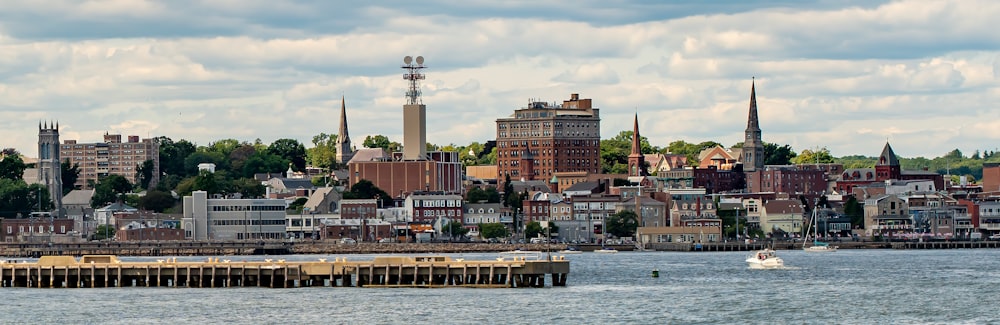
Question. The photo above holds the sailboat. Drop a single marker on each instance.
(817, 246)
(604, 240)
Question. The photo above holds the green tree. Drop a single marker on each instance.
(476, 195)
(172, 156)
(454, 229)
(263, 163)
(194, 159)
(110, 189)
(206, 181)
(104, 232)
(144, 173)
(615, 151)
(381, 141)
(224, 146)
(533, 229)
(493, 230)
(11, 166)
(290, 150)
(248, 188)
(492, 195)
(854, 209)
(622, 223)
(296, 206)
(157, 201)
(691, 150)
(70, 173)
(323, 154)
(819, 156)
(239, 156)
(364, 189)
(19, 198)
(778, 155)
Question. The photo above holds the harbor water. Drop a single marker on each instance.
(845, 287)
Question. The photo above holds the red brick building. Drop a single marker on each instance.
(556, 138)
(442, 172)
(12, 229)
(428, 207)
(787, 179)
(991, 177)
(358, 208)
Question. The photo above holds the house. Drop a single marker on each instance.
(887, 215)
(323, 200)
(782, 215)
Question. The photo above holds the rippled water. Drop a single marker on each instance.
(846, 287)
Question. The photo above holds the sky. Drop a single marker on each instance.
(843, 75)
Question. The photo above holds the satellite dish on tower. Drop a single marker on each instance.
(420, 60)
(407, 59)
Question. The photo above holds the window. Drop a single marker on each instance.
(10, 229)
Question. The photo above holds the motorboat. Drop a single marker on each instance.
(518, 254)
(764, 259)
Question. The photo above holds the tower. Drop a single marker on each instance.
(49, 171)
(636, 160)
(344, 152)
(414, 112)
(753, 147)
(527, 165)
(887, 166)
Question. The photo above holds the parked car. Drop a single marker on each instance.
(348, 240)
(995, 237)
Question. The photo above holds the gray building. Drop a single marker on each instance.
(232, 219)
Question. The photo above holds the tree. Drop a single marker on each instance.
(381, 141)
(533, 229)
(819, 156)
(17, 198)
(248, 188)
(691, 150)
(493, 230)
(364, 189)
(323, 154)
(476, 195)
(296, 206)
(290, 150)
(206, 181)
(110, 189)
(144, 173)
(622, 223)
(196, 158)
(157, 201)
(492, 195)
(224, 146)
(854, 209)
(104, 232)
(779, 155)
(239, 156)
(11, 166)
(454, 229)
(69, 175)
(615, 151)
(263, 163)
(173, 154)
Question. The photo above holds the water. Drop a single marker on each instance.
(845, 287)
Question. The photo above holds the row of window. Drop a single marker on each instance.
(248, 222)
(41, 229)
(237, 208)
(437, 203)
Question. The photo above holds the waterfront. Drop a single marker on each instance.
(850, 286)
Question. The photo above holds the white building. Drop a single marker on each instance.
(232, 219)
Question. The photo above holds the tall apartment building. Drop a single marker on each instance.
(112, 157)
(542, 139)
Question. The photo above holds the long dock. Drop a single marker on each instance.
(105, 271)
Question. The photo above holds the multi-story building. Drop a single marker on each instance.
(232, 219)
(33, 229)
(429, 207)
(787, 179)
(991, 177)
(112, 157)
(550, 138)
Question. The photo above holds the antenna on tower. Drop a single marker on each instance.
(414, 76)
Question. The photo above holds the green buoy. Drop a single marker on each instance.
(656, 273)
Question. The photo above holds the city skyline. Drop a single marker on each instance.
(847, 76)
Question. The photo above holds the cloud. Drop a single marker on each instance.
(844, 75)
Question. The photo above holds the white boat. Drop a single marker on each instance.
(571, 250)
(606, 250)
(520, 254)
(817, 246)
(764, 259)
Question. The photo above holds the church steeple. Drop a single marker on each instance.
(636, 160)
(887, 166)
(753, 145)
(344, 151)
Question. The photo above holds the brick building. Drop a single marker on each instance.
(549, 138)
(112, 157)
(16, 230)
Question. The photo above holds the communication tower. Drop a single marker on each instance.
(414, 76)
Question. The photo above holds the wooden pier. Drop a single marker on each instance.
(104, 271)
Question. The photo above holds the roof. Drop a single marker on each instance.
(784, 207)
(591, 186)
(293, 183)
(888, 157)
(532, 186)
(645, 200)
(118, 206)
(317, 198)
(369, 154)
(78, 197)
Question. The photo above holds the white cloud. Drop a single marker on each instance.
(842, 76)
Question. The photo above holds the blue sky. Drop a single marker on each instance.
(845, 75)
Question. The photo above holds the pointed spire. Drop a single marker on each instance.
(752, 123)
(888, 157)
(342, 136)
(636, 144)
